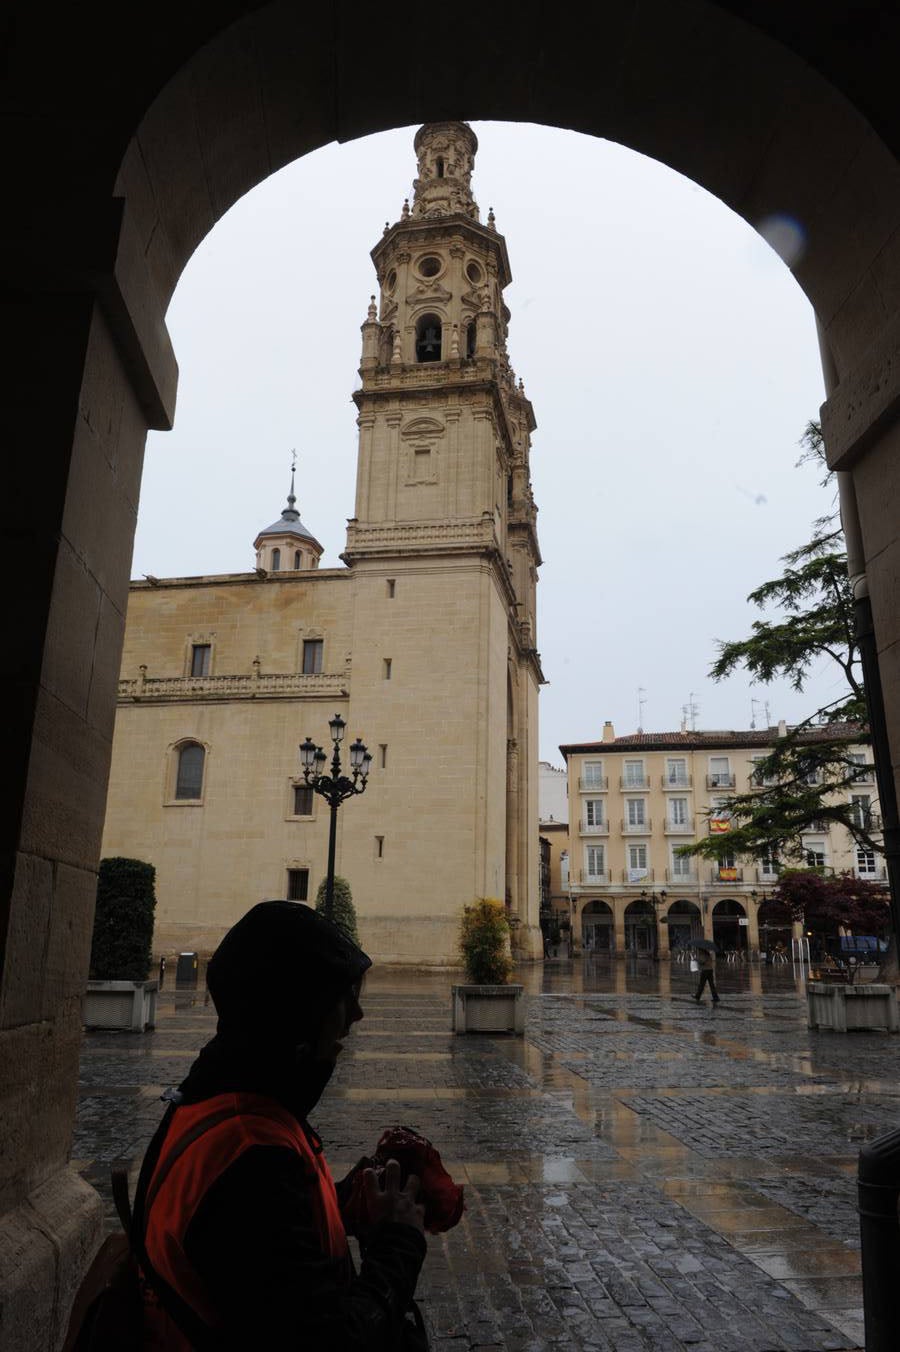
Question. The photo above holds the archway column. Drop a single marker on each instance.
(91, 325)
(618, 907)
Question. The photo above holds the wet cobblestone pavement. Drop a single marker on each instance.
(641, 1174)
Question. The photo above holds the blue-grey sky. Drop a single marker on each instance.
(670, 357)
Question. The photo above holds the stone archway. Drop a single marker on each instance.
(641, 930)
(122, 156)
(685, 923)
(597, 929)
(728, 932)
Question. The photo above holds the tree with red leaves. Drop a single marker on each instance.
(860, 906)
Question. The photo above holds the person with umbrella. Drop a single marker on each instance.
(706, 957)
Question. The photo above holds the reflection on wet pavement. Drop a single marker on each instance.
(640, 1173)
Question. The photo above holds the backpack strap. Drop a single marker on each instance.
(186, 1319)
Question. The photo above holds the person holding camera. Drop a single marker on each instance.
(240, 1229)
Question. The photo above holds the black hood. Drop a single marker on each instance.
(272, 979)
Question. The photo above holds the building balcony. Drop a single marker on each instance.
(597, 879)
(720, 780)
(876, 875)
(678, 828)
(594, 784)
(722, 875)
(634, 782)
(766, 875)
(637, 828)
(593, 828)
(867, 821)
(636, 876)
(682, 879)
(679, 782)
(864, 775)
(192, 689)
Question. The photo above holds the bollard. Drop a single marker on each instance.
(879, 1229)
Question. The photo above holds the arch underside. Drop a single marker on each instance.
(123, 151)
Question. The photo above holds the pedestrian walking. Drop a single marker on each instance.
(706, 959)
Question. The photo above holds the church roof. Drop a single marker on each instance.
(289, 523)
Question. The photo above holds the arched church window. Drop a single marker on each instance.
(428, 338)
(296, 558)
(189, 777)
(276, 560)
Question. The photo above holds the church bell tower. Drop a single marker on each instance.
(443, 547)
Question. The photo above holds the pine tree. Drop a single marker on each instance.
(344, 915)
(808, 777)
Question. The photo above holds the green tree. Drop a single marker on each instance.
(122, 940)
(344, 911)
(808, 777)
(484, 942)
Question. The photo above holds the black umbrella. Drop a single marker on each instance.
(704, 943)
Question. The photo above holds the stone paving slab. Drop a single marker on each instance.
(640, 1174)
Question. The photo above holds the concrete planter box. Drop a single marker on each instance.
(843, 1008)
(120, 1004)
(489, 1009)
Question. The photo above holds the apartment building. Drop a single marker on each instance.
(634, 800)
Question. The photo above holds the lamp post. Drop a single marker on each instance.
(334, 787)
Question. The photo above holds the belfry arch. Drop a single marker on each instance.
(122, 155)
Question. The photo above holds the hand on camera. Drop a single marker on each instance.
(386, 1200)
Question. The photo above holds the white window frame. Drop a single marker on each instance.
(677, 780)
(677, 811)
(636, 812)
(715, 776)
(593, 854)
(635, 853)
(630, 782)
(682, 864)
(592, 774)
(863, 870)
(593, 812)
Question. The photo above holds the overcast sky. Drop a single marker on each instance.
(670, 357)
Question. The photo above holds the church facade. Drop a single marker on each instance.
(424, 641)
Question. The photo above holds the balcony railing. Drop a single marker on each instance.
(599, 878)
(634, 782)
(637, 828)
(594, 828)
(685, 878)
(722, 876)
(678, 828)
(766, 875)
(867, 821)
(286, 685)
(635, 876)
(720, 780)
(679, 782)
(593, 784)
(864, 774)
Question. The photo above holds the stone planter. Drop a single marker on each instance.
(843, 1008)
(129, 1005)
(489, 1009)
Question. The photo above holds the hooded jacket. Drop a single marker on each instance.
(267, 1271)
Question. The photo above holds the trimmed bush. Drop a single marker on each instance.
(123, 920)
(484, 943)
(344, 915)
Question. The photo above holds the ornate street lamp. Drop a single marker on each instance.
(334, 787)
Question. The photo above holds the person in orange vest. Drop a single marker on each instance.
(237, 1221)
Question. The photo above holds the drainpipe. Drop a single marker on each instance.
(868, 653)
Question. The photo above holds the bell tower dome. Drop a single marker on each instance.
(287, 546)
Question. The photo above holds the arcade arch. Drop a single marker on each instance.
(103, 225)
(597, 928)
